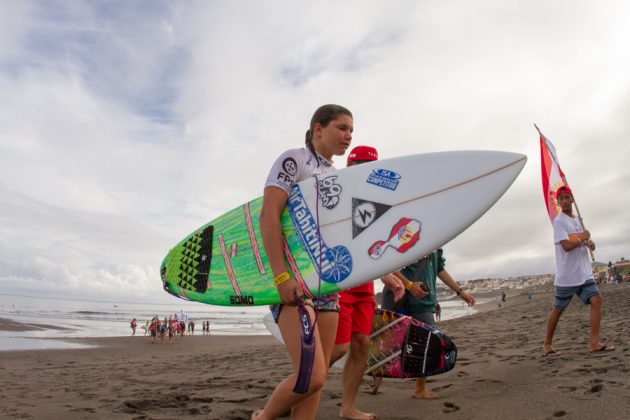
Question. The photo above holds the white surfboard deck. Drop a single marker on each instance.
(377, 217)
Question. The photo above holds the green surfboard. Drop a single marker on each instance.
(230, 247)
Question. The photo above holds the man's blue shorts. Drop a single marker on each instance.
(584, 292)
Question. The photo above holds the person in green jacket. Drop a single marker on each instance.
(425, 271)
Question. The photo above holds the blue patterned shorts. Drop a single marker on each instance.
(585, 292)
(328, 303)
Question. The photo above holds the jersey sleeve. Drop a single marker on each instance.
(284, 171)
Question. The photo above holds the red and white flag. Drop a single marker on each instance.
(552, 179)
(552, 176)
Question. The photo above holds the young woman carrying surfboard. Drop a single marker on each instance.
(329, 134)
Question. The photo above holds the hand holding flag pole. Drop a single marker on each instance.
(552, 179)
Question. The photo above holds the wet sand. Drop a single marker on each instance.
(500, 373)
(10, 325)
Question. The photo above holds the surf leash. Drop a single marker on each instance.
(307, 345)
(307, 351)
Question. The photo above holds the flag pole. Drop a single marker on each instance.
(564, 179)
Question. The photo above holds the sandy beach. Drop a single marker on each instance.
(500, 373)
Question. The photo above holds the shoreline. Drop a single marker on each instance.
(500, 372)
(26, 342)
(12, 325)
(8, 325)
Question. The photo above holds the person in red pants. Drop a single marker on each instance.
(356, 309)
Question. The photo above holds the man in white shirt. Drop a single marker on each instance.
(574, 275)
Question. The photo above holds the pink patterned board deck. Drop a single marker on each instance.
(402, 347)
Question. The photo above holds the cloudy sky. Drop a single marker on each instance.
(124, 125)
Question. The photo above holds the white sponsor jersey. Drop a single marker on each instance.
(295, 165)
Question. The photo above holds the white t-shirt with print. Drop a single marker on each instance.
(295, 165)
(573, 268)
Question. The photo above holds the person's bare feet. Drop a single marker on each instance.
(376, 383)
(601, 347)
(549, 351)
(356, 414)
(426, 395)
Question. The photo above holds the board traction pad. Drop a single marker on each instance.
(194, 261)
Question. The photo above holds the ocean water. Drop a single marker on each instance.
(90, 318)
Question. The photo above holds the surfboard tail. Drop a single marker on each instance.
(186, 267)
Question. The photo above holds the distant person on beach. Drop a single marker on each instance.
(425, 272)
(154, 328)
(133, 326)
(501, 299)
(356, 310)
(438, 312)
(574, 275)
(171, 330)
(163, 329)
(329, 134)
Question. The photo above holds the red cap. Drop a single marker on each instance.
(563, 190)
(363, 153)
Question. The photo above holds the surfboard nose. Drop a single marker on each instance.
(495, 157)
(515, 161)
(493, 162)
(520, 158)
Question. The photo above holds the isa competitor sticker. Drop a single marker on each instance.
(335, 263)
(384, 178)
